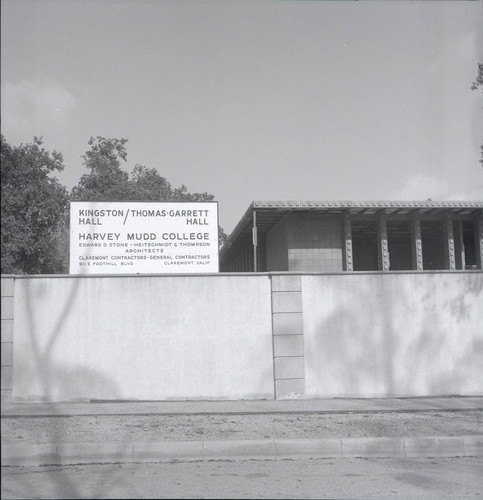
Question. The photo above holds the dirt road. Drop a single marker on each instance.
(103, 428)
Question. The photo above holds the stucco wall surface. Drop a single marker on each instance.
(376, 335)
(160, 337)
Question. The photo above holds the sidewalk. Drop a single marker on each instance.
(229, 449)
(333, 405)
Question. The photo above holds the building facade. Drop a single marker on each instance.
(351, 236)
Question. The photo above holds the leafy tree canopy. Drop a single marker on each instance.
(478, 84)
(34, 206)
(107, 181)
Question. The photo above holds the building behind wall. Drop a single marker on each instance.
(327, 236)
(322, 318)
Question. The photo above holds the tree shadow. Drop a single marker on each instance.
(54, 379)
(404, 335)
(67, 369)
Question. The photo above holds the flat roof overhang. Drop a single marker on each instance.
(268, 213)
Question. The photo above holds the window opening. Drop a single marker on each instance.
(432, 240)
(400, 245)
(364, 245)
(469, 244)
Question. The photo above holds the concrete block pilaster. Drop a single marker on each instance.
(7, 287)
(288, 340)
(288, 345)
(287, 323)
(289, 367)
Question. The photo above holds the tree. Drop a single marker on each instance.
(148, 185)
(35, 206)
(106, 181)
(34, 210)
(478, 84)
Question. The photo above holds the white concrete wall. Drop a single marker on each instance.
(210, 336)
(393, 334)
(160, 337)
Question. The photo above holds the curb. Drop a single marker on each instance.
(266, 449)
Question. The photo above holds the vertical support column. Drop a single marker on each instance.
(288, 338)
(383, 248)
(255, 241)
(459, 245)
(348, 260)
(449, 247)
(7, 286)
(479, 241)
(417, 244)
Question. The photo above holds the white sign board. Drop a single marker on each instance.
(143, 237)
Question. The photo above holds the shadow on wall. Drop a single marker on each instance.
(72, 384)
(55, 378)
(155, 337)
(354, 351)
(461, 348)
(62, 483)
(408, 337)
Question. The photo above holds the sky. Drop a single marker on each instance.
(254, 99)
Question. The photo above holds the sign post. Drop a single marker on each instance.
(143, 237)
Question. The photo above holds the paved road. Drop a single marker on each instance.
(319, 478)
